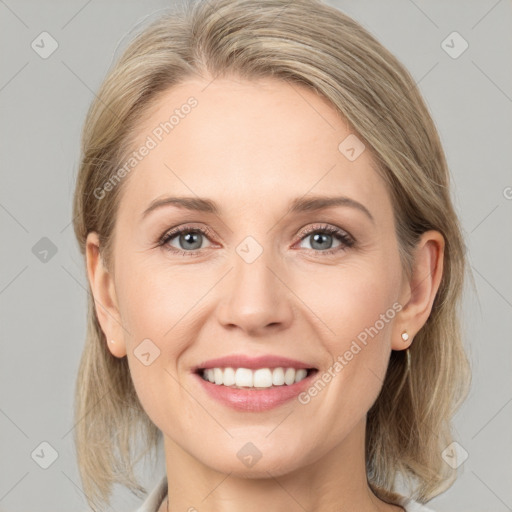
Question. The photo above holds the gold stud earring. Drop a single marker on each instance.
(405, 336)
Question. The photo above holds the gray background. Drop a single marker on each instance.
(42, 303)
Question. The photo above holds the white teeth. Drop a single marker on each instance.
(289, 376)
(263, 378)
(229, 377)
(243, 377)
(260, 378)
(300, 374)
(217, 375)
(278, 377)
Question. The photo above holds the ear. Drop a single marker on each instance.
(418, 293)
(105, 300)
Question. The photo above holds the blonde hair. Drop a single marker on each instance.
(309, 43)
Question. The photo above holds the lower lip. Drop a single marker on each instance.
(255, 399)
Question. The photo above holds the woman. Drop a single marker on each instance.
(230, 142)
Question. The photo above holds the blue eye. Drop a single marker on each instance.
(187, 237)
(324, 235)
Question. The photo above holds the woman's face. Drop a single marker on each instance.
(264, 280)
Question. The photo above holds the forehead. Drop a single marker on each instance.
(243, 143)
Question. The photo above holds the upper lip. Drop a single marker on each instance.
(243, 361)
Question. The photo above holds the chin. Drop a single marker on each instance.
(274, 466)
(252, 460)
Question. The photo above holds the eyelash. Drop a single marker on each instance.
(346, 240)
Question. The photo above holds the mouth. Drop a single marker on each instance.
(254, 390)
(255, 379)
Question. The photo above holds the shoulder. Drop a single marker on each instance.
(413, 506)
(155, 498)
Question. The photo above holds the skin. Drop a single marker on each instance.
(252, 147)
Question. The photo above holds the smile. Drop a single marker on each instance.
(258, 378)
(248, 390)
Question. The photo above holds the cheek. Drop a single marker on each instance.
(156, 304)
(151, 298)
(355, 304)
(356, 308)
(351, 298)
(152, 310)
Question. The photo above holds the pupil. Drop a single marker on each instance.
(320, 236)
(191, 238)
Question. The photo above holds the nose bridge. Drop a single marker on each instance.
(254, 298)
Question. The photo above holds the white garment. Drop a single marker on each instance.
(158, 494)
(154, 499)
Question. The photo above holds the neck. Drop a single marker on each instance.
(331, 481)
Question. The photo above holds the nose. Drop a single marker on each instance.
(255, 297)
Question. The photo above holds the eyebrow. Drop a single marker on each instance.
(301, 204)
